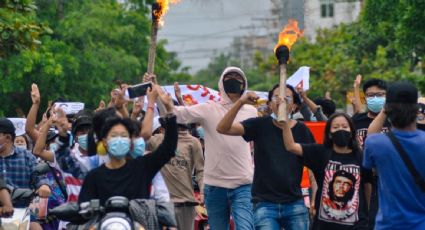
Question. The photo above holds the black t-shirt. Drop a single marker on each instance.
(277, 172)
(420, 126)
(340, 200)
(361, 123)
(134, 178)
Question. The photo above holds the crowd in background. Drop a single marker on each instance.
(240, 162)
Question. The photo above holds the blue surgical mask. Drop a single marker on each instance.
(53, 147)
(82, 141)
(375, 104)
(138, 148)
(200, 132)
(23, 147)
(118, 147)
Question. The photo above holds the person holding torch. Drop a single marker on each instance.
(276, 192)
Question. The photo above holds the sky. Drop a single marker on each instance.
(197, 30)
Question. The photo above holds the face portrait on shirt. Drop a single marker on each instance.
(341, 188)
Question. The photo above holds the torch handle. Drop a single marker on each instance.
(151, 62)
(152, 47)
(282, 114)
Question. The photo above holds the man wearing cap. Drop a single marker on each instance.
(17, 165)
(401, 196)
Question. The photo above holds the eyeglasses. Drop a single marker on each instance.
(288, 99)
(421, 108)
(379, 94)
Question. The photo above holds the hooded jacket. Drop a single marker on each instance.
(228, 161)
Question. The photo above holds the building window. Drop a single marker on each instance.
(327, 8)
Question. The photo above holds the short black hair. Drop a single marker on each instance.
(401, 115)
(113, 121)
(375, 82)
(296, 96)
(328, 106)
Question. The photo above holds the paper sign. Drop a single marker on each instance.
(70, 107)
(39, 207)
(300, 78)
(19, 124)
(19, 220)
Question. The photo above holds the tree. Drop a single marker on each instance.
(18, 28)
(93, 44)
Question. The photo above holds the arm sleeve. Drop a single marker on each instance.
(315, 156)
(160, 191)
(39, 180)
(368, 161)
(199, 164)
(88, 189)
(164, 152)
(190, 114)
(250, 127)
(305, 111)
(319, 115)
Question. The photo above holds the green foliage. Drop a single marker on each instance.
(19, 29)
(93, 44)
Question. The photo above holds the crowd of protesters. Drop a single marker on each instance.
(250, 169)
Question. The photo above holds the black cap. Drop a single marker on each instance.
(80, 122)
(7, 127)
(402, 92)
(51, 135)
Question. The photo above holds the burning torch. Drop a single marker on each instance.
(287, 37)
(159, 9)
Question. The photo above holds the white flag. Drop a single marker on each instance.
(300, 78)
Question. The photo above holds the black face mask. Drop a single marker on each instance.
(232, 86)
(341, 138)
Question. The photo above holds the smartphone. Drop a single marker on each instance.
(138, 90)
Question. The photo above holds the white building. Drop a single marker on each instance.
(328, 13)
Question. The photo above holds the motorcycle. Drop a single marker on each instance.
(21, 216)
(91, 215)
(23, 197)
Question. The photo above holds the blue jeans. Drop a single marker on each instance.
(290, 216)
(221, 202)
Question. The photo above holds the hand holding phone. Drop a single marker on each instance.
(138, 90)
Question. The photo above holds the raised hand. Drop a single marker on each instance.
(61, 121)
(358, 81)
(301, 91)
(35, 94)
(120, 100)
(249, 98)
(152, 93)
(137, 106)
(150, 77)
(165, 98)
(177, 90)
(101, 105)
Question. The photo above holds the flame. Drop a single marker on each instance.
(163, 8)
(289, 35)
